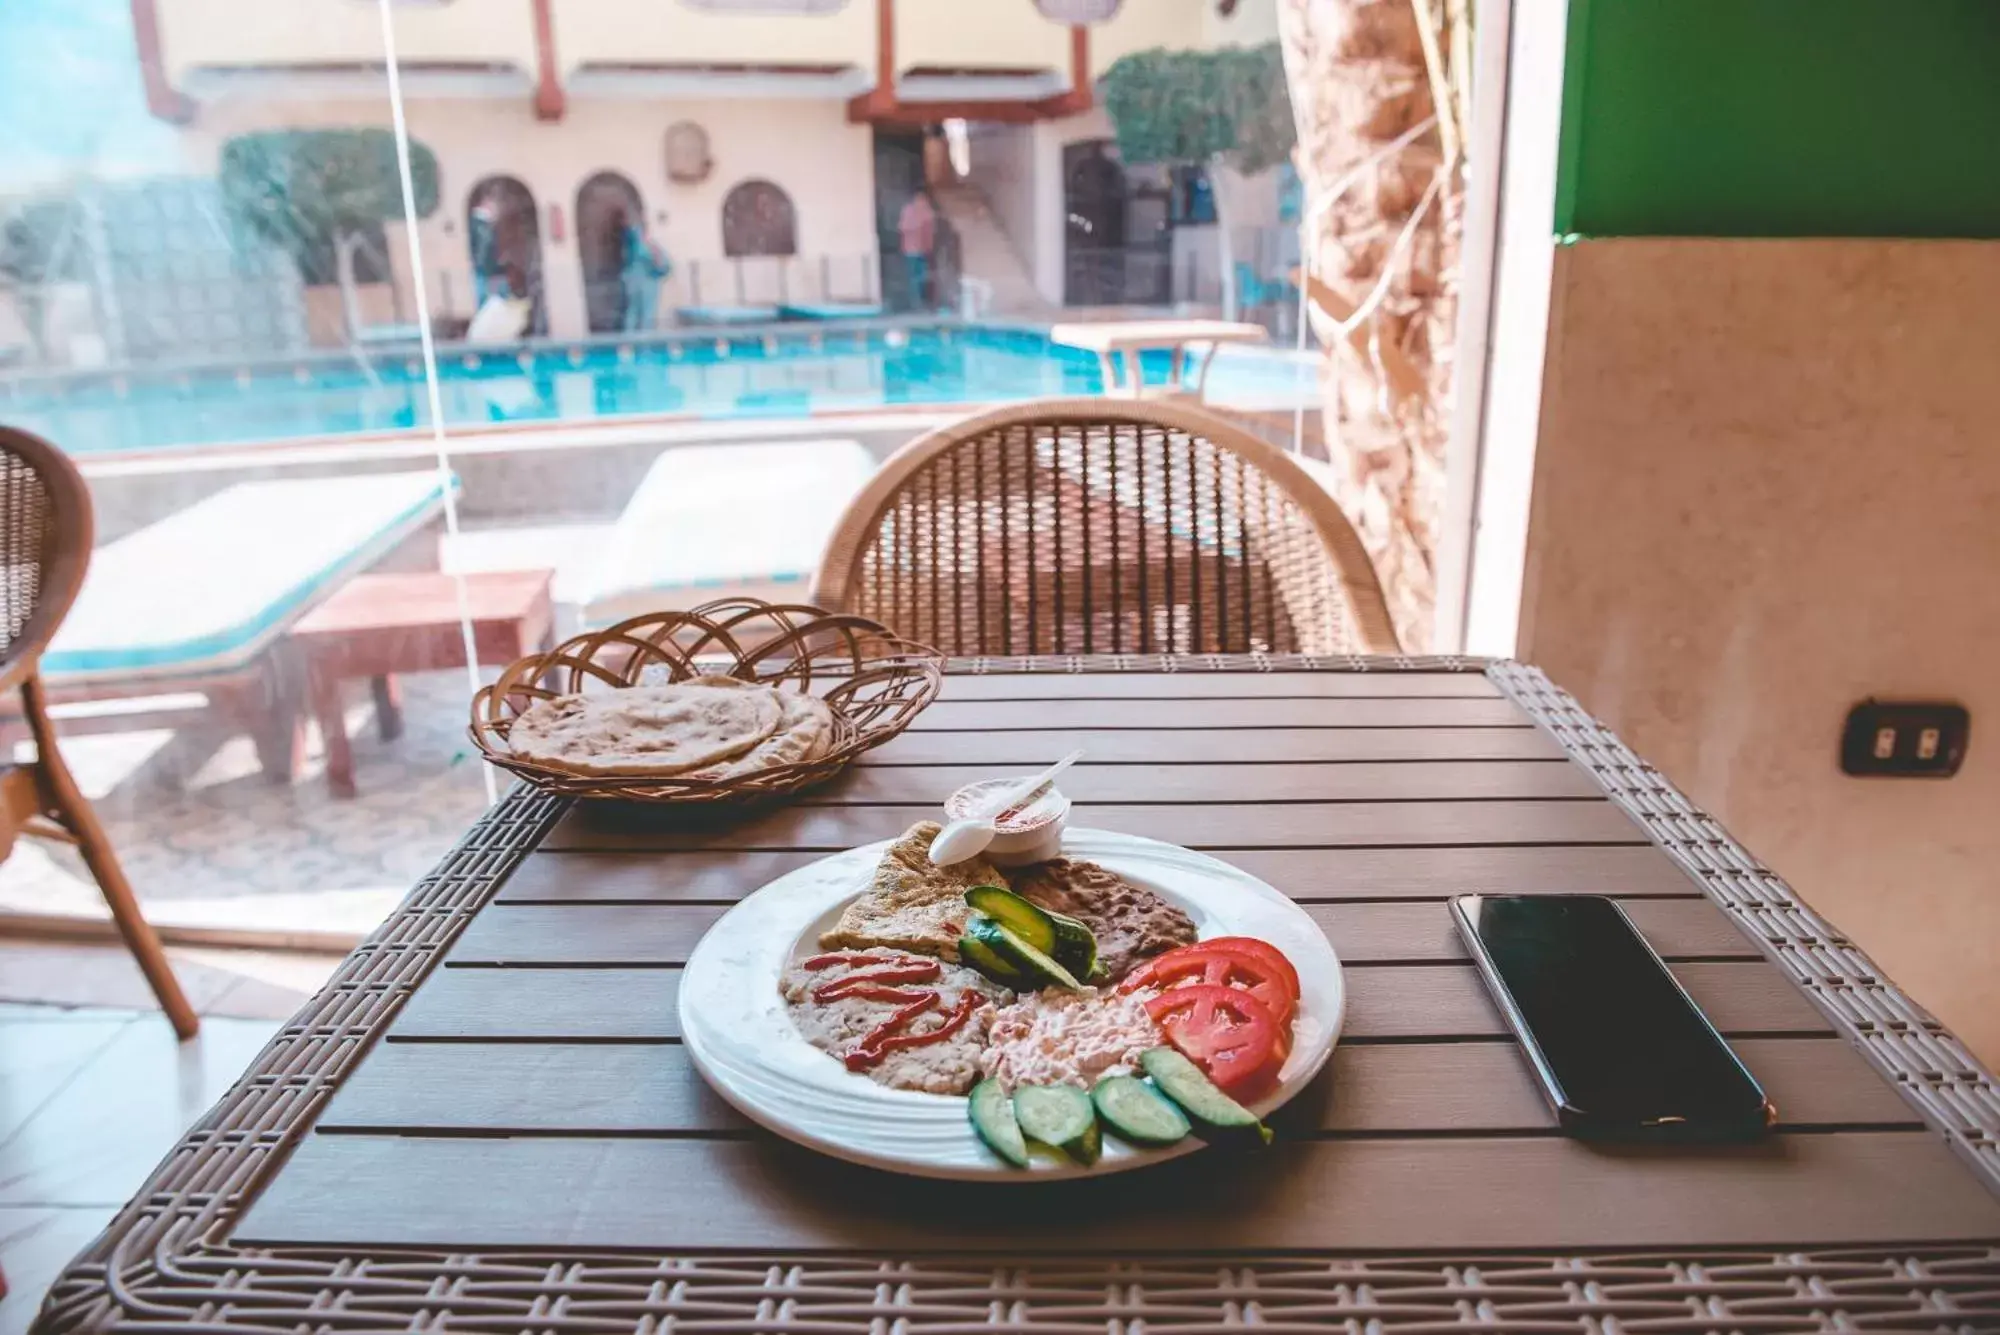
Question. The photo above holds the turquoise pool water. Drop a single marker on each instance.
(733, 376)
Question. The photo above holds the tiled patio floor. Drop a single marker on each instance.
(91, 1098)
(207, 839)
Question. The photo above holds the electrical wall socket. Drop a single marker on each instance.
(1904, 739)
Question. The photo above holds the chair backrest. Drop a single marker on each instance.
(45, 535)
(1072, 526)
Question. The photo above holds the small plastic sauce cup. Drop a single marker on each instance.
(1023, 834)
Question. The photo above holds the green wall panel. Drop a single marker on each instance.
(1781, 118)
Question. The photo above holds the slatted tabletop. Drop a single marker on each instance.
(516, 1090)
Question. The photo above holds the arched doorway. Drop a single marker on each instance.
(1118, 229)
(504, 233)
(757, 219)
(603, 203)
(1094, 228)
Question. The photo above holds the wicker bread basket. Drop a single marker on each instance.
(874, 682)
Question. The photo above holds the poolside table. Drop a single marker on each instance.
(485, 1121)
(1122, 343)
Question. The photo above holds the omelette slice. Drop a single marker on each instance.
(910, 904)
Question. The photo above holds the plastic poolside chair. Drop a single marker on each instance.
(1078, 526)
(45, 537)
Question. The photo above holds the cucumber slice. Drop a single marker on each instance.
(1025, 920)
(1036, 967)
(1086, 1151)
(1062, 1116)
(1215, 1112)
(1076, 946)
(973, 951)
(992, 1114)
(986, 933)
(1137, 1112)
(1057, 935)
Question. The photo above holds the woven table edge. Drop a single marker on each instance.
(1929, 1066)
(1056, 664)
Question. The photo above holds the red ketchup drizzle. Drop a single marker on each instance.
(900, 969)
(868, 991)
(883, 1040)
(872, 1049)
(858, 957)
(874, 984)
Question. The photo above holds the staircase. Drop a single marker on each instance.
(985, 251)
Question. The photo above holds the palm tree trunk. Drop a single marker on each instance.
(1381, 236)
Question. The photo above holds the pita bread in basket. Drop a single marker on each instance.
(671, 729)
(637, 712)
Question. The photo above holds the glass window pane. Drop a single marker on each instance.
(206, 304)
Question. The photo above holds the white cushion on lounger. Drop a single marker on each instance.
(207, 588)
(711, 521)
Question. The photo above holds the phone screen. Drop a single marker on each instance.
(1619, 1048)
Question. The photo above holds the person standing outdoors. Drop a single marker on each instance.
(645, 264)
(484, 240)
(917, 227)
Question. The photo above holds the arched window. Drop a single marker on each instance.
(757, 219)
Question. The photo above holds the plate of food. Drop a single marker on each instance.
(1101, 1003)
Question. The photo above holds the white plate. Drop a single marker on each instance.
(743, 1041)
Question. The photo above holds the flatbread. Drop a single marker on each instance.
(649, 729)
(804, 732)
(910, 904)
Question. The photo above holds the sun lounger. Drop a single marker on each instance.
(501, 320)
(199, 600)
(710, 521)
(830, 310)
(724, 315)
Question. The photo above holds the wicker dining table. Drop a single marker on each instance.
(485, 1121)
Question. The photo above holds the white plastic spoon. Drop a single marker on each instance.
(969, 837)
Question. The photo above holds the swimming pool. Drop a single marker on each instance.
(780, 373)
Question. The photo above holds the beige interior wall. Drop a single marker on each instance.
(1768, 486)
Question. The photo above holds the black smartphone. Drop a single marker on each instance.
(1621, 1051)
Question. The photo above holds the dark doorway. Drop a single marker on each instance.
(603, 203)
(899, 173)
(514, 251)
(1118, 247)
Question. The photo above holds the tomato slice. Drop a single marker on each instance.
(1224, 1030)
(1269, 955)
(1196, 964)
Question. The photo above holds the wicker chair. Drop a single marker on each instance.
(1077, 526)
(45, 533)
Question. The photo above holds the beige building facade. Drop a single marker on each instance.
(554, 94)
